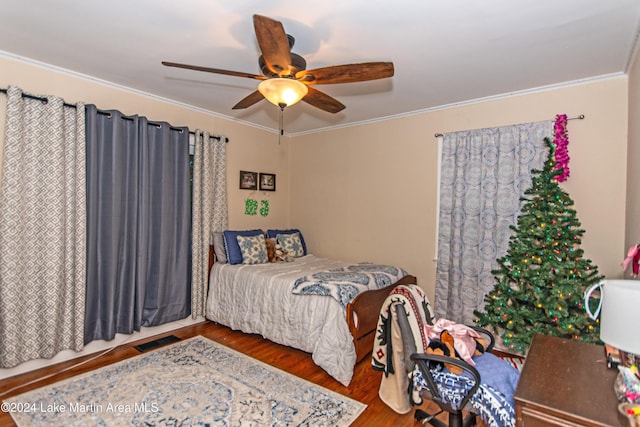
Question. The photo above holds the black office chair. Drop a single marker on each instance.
(492, 401)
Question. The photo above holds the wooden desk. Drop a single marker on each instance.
(566, 383)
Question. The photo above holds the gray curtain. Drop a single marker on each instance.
(209, 210)
(484, 173)
(42, 229)
(138, 224)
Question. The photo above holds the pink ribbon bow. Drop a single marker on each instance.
(633, 257)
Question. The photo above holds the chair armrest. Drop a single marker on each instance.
(486, 333)
(424, 362)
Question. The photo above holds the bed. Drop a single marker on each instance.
(290, 302)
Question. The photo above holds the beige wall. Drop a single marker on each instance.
(632, 231)
(250, 148)
(369, 192)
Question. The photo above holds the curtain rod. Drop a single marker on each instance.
(37, 98)
(580, 117)
(45, 100)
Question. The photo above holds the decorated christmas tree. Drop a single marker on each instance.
(542, 278)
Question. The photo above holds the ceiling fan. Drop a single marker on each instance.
(286, 80)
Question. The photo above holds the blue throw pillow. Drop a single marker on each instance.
(273, 233)
(234, 254)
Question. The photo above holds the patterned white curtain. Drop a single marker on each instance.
(484, 173)
(42, 229)
(209, 213)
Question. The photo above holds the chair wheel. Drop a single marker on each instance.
(424, 418)
(420, 415)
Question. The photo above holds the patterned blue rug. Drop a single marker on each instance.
(196, 382)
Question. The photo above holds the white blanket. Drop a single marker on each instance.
(257, 298)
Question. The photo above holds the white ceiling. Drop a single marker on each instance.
(445, 51)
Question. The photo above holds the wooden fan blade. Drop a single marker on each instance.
(323, 101)
(248, 101)
(274, 44)
(214, 70)
(347, 73)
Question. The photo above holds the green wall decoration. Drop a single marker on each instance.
(250, 207)
(264, 207)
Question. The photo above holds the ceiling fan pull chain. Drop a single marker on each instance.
(281, 122)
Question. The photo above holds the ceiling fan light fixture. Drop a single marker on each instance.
(282, 90)
(285, 76)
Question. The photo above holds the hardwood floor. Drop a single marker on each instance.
(363, 387)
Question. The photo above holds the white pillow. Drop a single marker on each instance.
(218, 248)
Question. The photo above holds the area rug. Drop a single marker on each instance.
(196, 382)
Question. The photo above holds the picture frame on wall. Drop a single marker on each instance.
(267, 181)
(248, 180)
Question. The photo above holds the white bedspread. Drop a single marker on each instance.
(258, 299)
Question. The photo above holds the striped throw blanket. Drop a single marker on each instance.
(388, 349)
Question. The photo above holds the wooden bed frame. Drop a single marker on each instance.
(362, 313)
